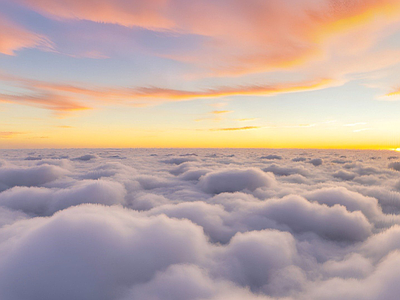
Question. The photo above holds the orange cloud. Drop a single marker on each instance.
(148, 14)
(221, 112)
(259, 36)
(67, 98)
(247, 119)
(10, 134)
(345, 15)
(164, 94)
(394, 93)
(53, 102)
(254, 90)
(235, 128)
(14, 38)
(246, 37)
(126, 95)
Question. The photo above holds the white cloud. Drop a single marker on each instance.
(395, 166)
(43, 201)
(31, 176)
(198, 225)
(234, 180)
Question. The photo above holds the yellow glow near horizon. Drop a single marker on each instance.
(92, 137)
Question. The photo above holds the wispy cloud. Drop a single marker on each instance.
(396, 92)
(354, 124)
(221, 112)
(14, 37)
(236, 128)
(10, 134)
(362, 129)
(57, 103)
(246, 119)
(301, 32)
(66, 97)
(216, 116)
(301, 126)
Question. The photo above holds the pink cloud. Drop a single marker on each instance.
(66, 98)
(243, 36)
(14, 38)
(50, 101)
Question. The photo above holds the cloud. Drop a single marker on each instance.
(86, 157)
(236, 40)
(353, 201)
(108, 169)
(11, 176)
(234, 180)
(150, 182)
(14, 38)
(316, 162)
(8, 216)
(334, 222)
(10, 134)
(157, 93)
(210, 226)
(299, 159)
(189, 282)
(43, 202)
(247, 119)
(193, 174)
(66, 98)
(95, 242)
(381, 284)
(354, 266)
(220, 112)
(210, 217)
(360, 130)
(179, 160)
(344, 175)
(235, 128)
(395, 166)
(259, 90)
(135, 13)
(286, 171)
(272, 156)
(251, 258)
(50, 101)
(394, 93)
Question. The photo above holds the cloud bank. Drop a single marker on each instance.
(203, 224)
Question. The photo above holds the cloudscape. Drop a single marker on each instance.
(127, 224)
(199, 149)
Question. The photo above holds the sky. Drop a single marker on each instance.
(210, 73)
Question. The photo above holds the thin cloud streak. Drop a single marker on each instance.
(13, 38)
(236, 128)
(180, 95)
(64, 97)
(394, 93)
(47, 101)
(10, 134)
(221, 112)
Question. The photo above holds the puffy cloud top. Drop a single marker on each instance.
(234, 180)
(198, 225)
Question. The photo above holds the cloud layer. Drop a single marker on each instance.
(199, 224)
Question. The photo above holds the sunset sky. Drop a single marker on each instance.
(209, 73)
